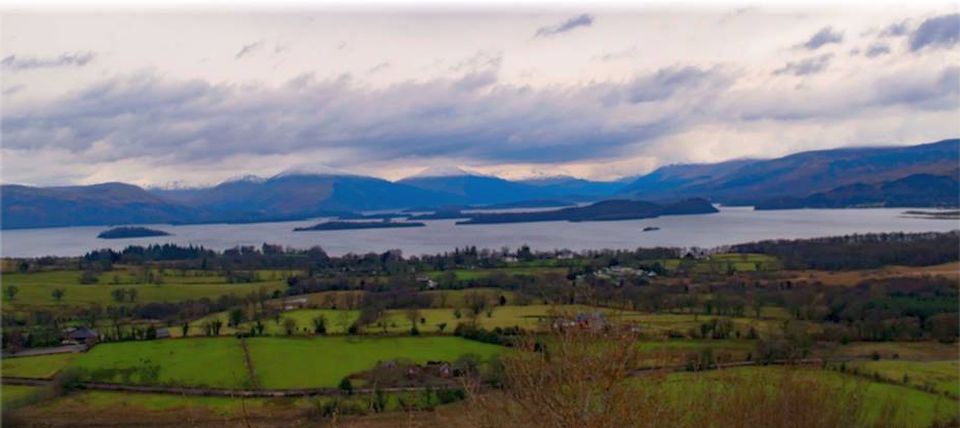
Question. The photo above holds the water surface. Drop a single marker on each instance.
(730, 226)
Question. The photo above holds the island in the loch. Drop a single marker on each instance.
(441, 215)
(618, 209)
(352, 225)
(942, 215)
(130, 232)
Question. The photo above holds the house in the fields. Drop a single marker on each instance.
(81, 335)
(427, 282)
(292, 303)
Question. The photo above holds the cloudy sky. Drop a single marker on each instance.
(196, 97)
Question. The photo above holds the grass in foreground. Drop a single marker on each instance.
(16, 395)
(324, 362)
(216, 362)
(939, 376)
(914, 408)
(41, 366)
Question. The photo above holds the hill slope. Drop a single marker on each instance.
(100, 204)
(798, 175)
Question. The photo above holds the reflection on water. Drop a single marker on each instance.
(729, 226)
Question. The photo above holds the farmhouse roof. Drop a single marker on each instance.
(82, 333)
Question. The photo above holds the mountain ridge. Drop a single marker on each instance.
(297, 195)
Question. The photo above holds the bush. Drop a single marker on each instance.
(346, 386)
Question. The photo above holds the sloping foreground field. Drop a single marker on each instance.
(216, 362)
(914, 408)
(41, 366)
(894, 405)
(219, 362)
(937, 376)
(323, 362)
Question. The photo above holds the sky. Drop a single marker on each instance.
(192, 97)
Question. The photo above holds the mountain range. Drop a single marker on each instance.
(918, 176)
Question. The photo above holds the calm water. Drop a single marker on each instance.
(729, 226)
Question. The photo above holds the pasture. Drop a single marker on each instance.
(35, 289)
(215, 362)
(938, 376)
(397, 321)
(912, 407)
(16, 395)
(40, 366)
(475, 274)
(723, 263)
(854, 277)
(324, 362)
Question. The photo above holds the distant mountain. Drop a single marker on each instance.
(305, 195)
(618, 209)
(100, 204)
(888, 176)
(572, 187)
(917, 190)
(474, 189)
(798, 175)
(670, 178)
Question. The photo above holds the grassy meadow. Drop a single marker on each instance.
(214, 362)
(35, 289)
(324, 362)
(40, 366)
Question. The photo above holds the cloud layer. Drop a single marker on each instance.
(67, 59)
(658, 105)
(583, 20)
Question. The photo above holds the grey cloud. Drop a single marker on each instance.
(248, 49)
(379, 67)
(896, 29)
(825, 36)
(812, 65)
(909, 91)
(667, 82)
(877, 49)
(630, 52)
(937, 32)
(583, 20)
(13, 89)
(939, 91)
(476, 80)
(482, 60)
(68, 59)
(150, 116)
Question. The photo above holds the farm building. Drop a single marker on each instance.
(81, 335)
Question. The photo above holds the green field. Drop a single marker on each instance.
(41, 366)
(16, 395)
(396, 321)
(104, 399)
(323, 362)
(940, 376)
(216, 362)
(36, 288)
(723, 263)
(918, 351)
(474, 274)
(914, 408)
